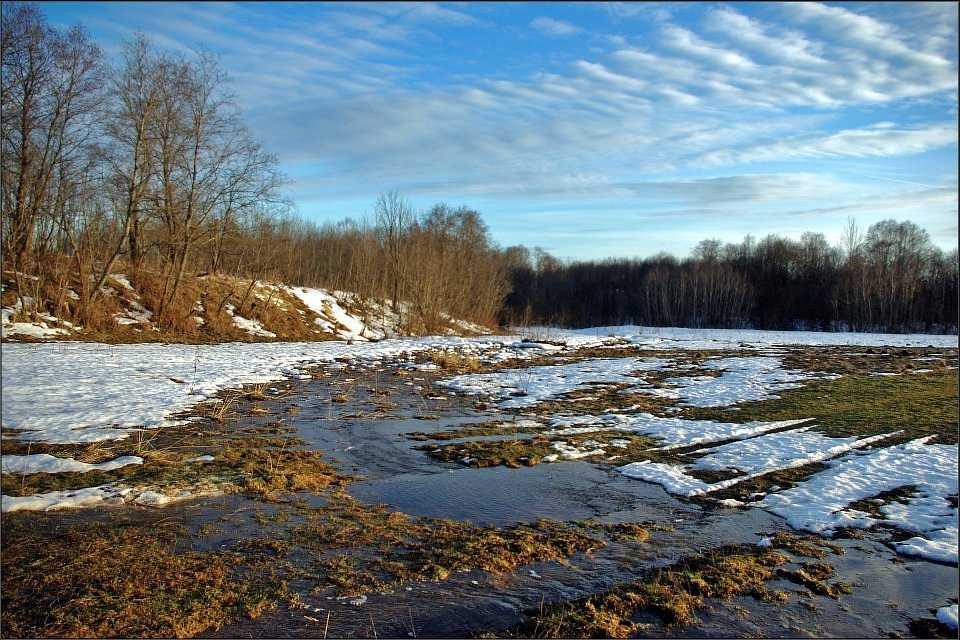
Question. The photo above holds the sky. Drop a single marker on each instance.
(595, 129)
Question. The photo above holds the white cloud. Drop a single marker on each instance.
(855, 143)
(785, 46)
(555, 28)
(686, 43)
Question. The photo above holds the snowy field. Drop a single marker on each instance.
(79, 392)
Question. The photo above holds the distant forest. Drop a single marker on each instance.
(888, 278)
(145, 167)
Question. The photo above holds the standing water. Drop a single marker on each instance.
(369, 439)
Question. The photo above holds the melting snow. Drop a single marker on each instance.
(741, 380)
(674, 433)
(821, 504)
(333, 318)
(948, 616)
(772, 452)
(253, 327)
(113, 389)
(527, 387)
(45, 463)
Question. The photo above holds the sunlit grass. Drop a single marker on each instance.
(859, 405)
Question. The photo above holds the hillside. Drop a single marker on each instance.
(224, 309)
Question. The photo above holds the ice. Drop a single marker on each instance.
(948, 616)
(741, 380)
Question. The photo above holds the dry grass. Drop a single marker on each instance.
(360, 548)
(527, 452)
(120, 579)
(261, 461)
(675, 593)
(175, 321)
(454, 361)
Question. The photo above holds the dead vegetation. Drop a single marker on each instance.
(455, 361)
(358, 549)
(675, 593)
(528, 452)
(130, 578)
(347, 548)
(862, 360)
(121, 578)
(260, 460)
(203, 312)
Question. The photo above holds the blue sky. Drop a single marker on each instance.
(591, 129)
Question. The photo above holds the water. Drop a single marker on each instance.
(368, 439)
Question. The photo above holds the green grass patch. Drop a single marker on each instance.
(918, 404)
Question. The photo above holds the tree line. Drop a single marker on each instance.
(889, 278)
(144, 164)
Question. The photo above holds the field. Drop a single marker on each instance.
(606, 483)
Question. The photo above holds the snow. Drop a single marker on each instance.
(742, 380)
(700, 339)
(821, 503)
(569, 452)
(136, 314)
(105, 494)
(754, 457)
(332, 317)
(84, 392)
(40, 329)
(253, 327)
(774, 450)
(529, 386)
(45, 463)
(673, 478)
(948, 616)
(32, 329)
(674, 433)
(122, 280)
(70, 499)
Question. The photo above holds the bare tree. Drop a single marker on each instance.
(394, 217)
(50, 87)
(136, 87)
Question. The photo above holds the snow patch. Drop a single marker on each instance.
(45, 463)
(821, 504)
